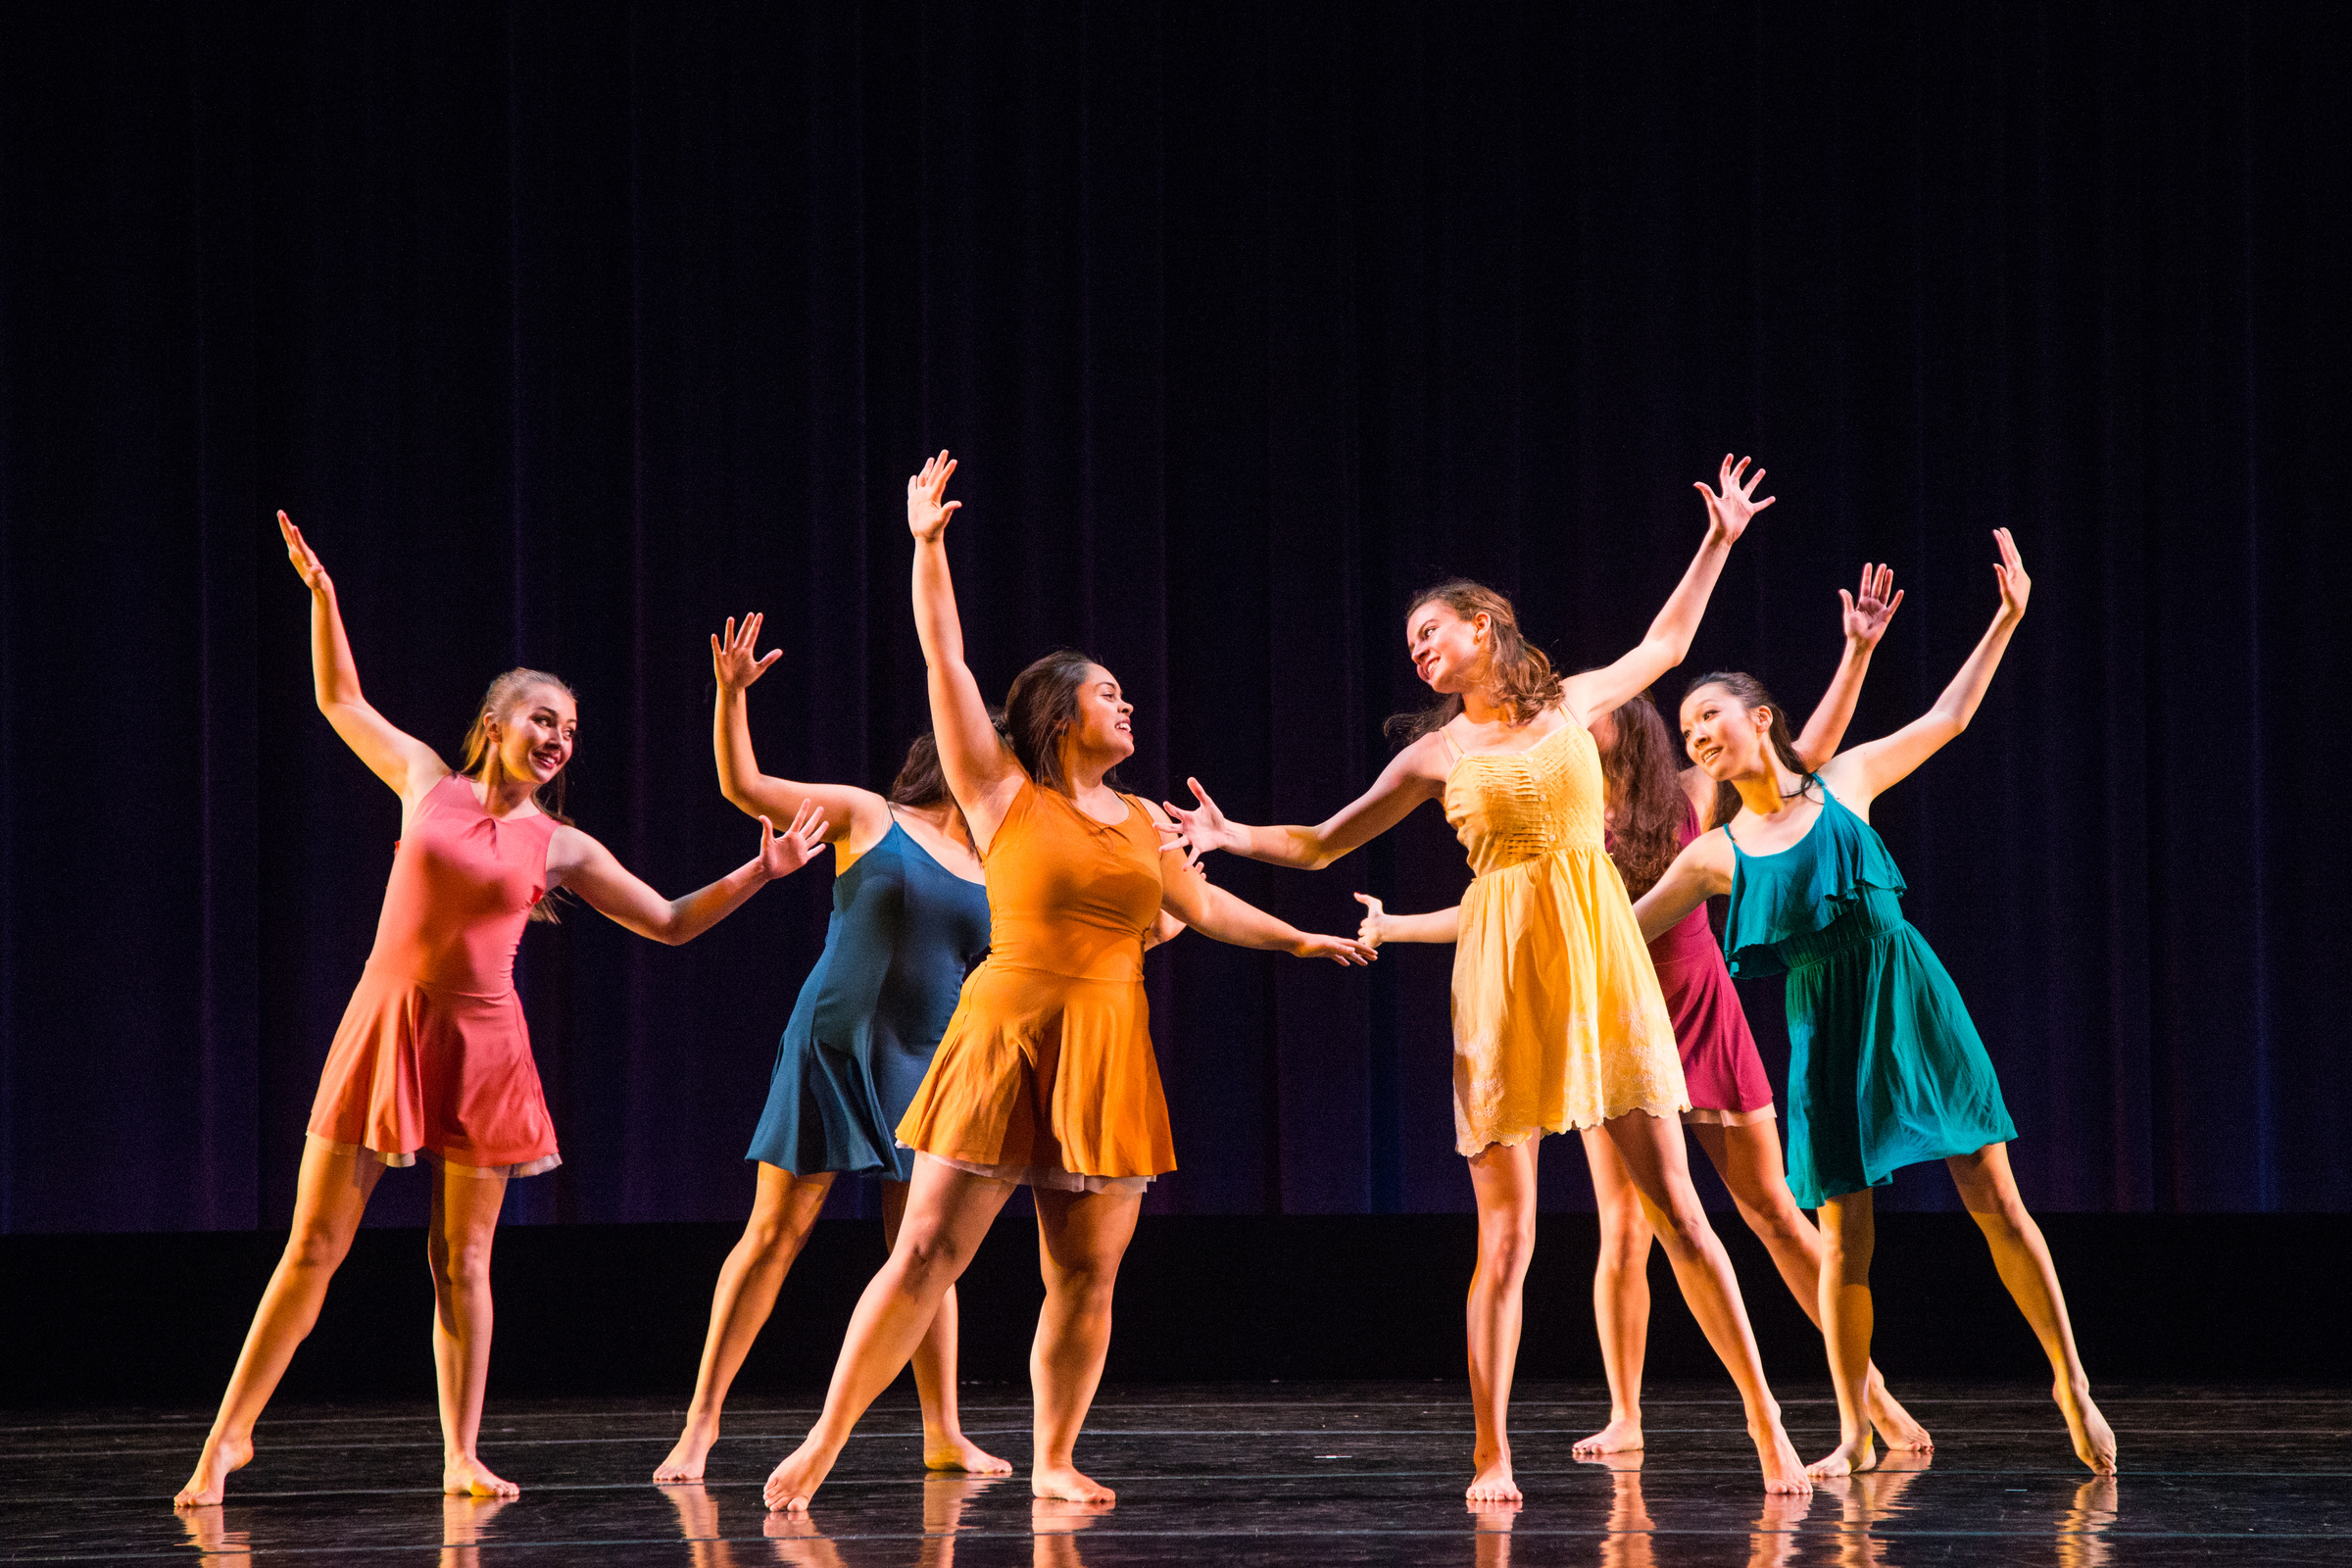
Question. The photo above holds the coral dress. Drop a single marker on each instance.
(1557, 1020)
(1046, 1075)
(433, 1053)
(906, 931)
(1722, 1072)
(1884, 1066)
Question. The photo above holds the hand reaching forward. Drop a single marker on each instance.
(926, 513)
(1375, 927)
(2016, 586)
(735, 656)
(1868, 610)
(782, 854)
(1339, 949)
(305, 559)
(1202, 828)
(1729, 512)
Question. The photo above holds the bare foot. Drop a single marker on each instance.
(2094, 1438)
(1620, 1436)
(1895, 1423)
(1493, 1482)
(1063, 1482)
(468, 1477)
(793, 1483)
(1784, 1471)
(685, 1461)
(1846, 1459)
(961, 1453)
(222, 1455)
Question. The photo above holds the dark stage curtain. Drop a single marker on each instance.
(567, 330)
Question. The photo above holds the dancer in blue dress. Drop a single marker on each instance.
(909, 919)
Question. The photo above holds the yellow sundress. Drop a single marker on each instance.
(1558, 1017)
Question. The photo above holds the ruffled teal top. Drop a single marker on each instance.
(1793, 907)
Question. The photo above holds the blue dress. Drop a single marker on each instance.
(1884, 1066)
(904, 932)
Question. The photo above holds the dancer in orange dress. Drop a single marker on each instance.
(1045, 1075)
(432, 1057)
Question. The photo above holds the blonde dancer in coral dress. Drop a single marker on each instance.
(1557, 1020)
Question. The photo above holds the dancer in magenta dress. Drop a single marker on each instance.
(433, 1057)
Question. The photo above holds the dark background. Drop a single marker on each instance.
(567, 330)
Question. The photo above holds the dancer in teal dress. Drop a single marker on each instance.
(1885, 1067)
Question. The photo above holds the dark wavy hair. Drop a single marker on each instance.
(1529, 684)
(921, 782)
(1749, 693)
(1644, 772)
(1040, 707)
(478, 758)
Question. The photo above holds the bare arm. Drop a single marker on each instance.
(577, 862)
(1598, 691)
(1414, 775)
(1866, 614)
(402, 761)
(982, 771)
(1164, 930)
(852, 815)
(1861, 775)
(1214, 913)
(1379, 927)
(1702, 870)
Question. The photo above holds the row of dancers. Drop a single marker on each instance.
(976, 1021)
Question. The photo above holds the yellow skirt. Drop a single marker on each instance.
(1557, 1018)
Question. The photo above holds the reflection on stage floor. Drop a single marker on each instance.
(1231, 1475)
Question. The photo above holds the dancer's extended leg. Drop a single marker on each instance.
(1620, 1294)
(1502, 1176)
(948, 1216)
(1989, 1191)
(1748, 1159)
(944, 1447)
(1849, 1234)
(784, 1209)
(457, 1247)
(329, 1197)
(1654, 1157)
(1080, 1238)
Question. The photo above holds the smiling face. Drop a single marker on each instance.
(534, 737)
(1105, 724)
(1726, 739)
(1448, 653)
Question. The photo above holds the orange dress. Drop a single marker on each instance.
(1046, 1072)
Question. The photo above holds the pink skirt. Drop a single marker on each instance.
(448, 1073)
(1722, 1074)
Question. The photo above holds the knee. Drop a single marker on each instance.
(1778, 1226)
(1624, 1247)
(1682, 1226)
(1505, 1250)
(928, 1259)
(460, 1263)
(2002, 1221)
(1084, 1290)
(315, 1248)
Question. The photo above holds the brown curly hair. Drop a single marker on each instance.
(1643, 774)
(1523, 677)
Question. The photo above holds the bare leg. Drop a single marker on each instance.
(1748, 1159)
(1849, 1234)
(1503, 1177)
(1620, 1294)
(1653, 1153)
(948, 1216)
(1989, 1191)
(458, 1247)
(1080, 1238)
(329, 1197)
(784, 1209)
(944, 1447)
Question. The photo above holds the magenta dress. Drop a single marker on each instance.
(1724, 1075)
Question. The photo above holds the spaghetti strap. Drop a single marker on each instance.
(1450, 745)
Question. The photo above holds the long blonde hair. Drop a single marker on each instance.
(1522, 676)
(479, 757)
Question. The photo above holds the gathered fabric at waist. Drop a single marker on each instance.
(1874, 913)
(1542, 857)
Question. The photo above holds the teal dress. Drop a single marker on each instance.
(906, 930)
(1884, 1069)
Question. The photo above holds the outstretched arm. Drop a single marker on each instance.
(1598, 691)
(852, 815)
(1867, 610)
(1861, 775)
(579, 862)
(399, 758)
(1214, 913)
(1414, 775)
(980, 770)
(1702, 870)
(1379, 927)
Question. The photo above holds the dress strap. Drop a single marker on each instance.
(1451, 744)
(1815, 777)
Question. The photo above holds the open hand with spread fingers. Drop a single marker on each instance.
(2016, 586)
(782, 854)
(735, 661)
(1729, 512)
(1203, 827)
(1868, 608)
(927, 512)
(306, 560)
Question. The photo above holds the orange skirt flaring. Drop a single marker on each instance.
(418, 1068)
(1044, 1069)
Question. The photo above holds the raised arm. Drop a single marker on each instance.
(1702, 870)
(980, 770)
(1414, 775)
(852, 815)
(1214, 913)
(1867, 610)
(1861, 775)
(577, 862)
(1598, 691)
(402, 761)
